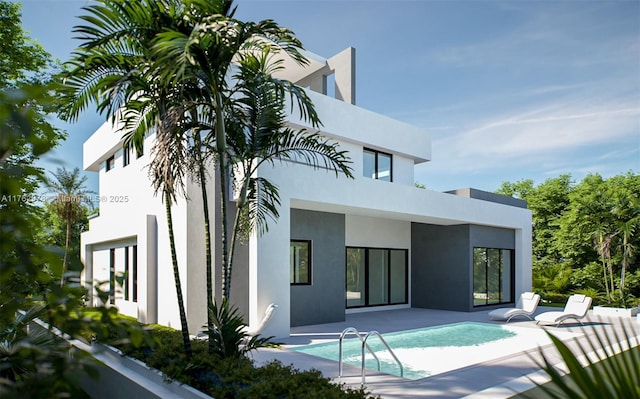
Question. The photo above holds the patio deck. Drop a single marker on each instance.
(498, 378)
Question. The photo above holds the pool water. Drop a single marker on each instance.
(422, 351)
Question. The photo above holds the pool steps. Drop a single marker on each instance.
(353, 330)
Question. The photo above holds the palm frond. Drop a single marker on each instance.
(604, 365)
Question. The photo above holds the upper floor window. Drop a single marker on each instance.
(300, 260)
(126, 156)
(111, 162)
(377, 165)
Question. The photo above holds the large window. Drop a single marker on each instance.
(492, 276)
(300, 262)
(377, 165)
(376, 277)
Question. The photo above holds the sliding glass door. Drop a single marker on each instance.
(376, 276)
(492, 276)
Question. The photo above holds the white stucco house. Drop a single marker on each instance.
(340, 245)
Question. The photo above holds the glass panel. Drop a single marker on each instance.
(135, 273)
(112, 276)
(378, 277)
(479, 276)
(384, 167)
(126, 273)
(369, 164)
(506, 276)
(398, 276)
(299, 262)
(355, 277)
(493, 276)
(125, 157)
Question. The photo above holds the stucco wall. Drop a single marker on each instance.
(323, 301)
(440, 259)
(442, 273)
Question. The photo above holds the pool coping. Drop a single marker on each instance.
(498, 378)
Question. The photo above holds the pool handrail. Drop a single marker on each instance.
(364, 343)
(357, 333)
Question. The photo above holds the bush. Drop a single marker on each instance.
(233, 377)
(596, 295)
(589, 276)
(554, 297)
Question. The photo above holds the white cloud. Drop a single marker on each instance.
(549, 129)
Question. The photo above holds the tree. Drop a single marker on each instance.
(216, 41)
(25, 100)
(114, 68)
(260, 136)
(21, 57)
(580, 225)
(32, 363)
(69, 203)
(207, 51)
(172, 74)
(547, 202)
(54, 231)
(203, 53)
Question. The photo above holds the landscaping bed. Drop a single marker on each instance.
(229, 377)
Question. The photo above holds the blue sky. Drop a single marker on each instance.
(508, 90)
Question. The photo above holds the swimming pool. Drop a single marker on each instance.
(432, 350)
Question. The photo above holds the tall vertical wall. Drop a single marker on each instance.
(324, 300)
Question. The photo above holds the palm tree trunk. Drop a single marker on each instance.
(67, 244)
(176, 274)
(606, 280)
(242, 200)
(601, 251)
(221, 148)
(207, 240)
(625, 260)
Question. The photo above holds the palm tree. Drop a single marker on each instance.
(114, 69)
(260, 136)
(203, 53)
(207, 51)
(626, 211)
(69, 203)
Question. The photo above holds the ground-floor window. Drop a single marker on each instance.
(376, 276)
(130, 277)
(492, 276)
(300, 262)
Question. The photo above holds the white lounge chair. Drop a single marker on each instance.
(576, 308)
(268, 313)
(525, 307)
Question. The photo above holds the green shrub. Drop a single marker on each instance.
(275, 380)
(554, 297)
(228, 336)
(596, 295)
(589, 276)
(233, 376)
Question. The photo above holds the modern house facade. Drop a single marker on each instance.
(340, 245)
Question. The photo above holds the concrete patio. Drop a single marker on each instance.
(499, 378)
